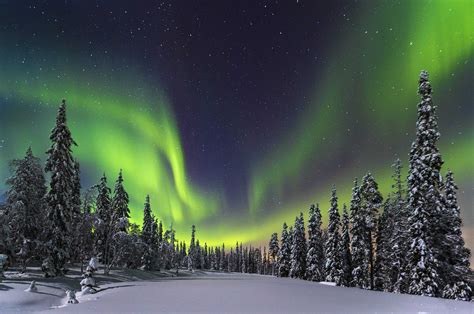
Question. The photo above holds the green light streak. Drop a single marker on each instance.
(123, 122)
(113, 134)
(436, 35)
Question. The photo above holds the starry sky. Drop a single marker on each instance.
(237, 115)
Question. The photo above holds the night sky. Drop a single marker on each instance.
(237, 115)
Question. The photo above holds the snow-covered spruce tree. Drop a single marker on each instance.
(173, 250)
(457, 286)
(25, 207)
(160, 251)
(382, 267)
(160, 231)
(197, 259)
(223, 266)
(147, 232)
(425, 200)
(192, 249)
(360, 248)
(85, 237)
(345, 250)
(120, 204)
(237, 258)
(258, 261)
(76, 213)
(284, 254)
(103, 225)
(371, 202)
(60, 200)
(315, 256)
(273, 250)
(298, 250)
(230, 261)
(213, 259)
(206, 257)
(245, 263)
(147, 235)
(333, 259)
(398, 242)
(265, 262)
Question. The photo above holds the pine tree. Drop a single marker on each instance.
(197, 258)
(103, 225)
(192, 248)
(161, 255)
(85, 226)
(25, 207)
(315, 256)
(284, 254)
(273, 250)
(371, 202)
(60, 200)
(425, 201)
(345, 250)
(147, 235)
(76, 213)
(120, 204)
(298, 250)
(399, 233)
(333, 261)
(360, 248)
(457, 286)
(222, 265)
(230, 261)
(237, 258)
(265, 262)
(147, 221)
(160, 232)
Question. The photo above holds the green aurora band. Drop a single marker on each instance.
(133, 128)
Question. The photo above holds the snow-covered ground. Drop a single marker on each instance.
(139, 292)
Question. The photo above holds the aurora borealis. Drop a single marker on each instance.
(237, 117)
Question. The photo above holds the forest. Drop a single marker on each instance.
(407, 242)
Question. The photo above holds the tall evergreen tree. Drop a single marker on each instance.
(371, 202)
(273, 250)
(222, 265)
(147, 235)
(85, 226)
(399, 239)
(360, 248)
(192, 249)
(25, 207)
(345, 250)
(424, 197)
(457, 286)
(298, 250)
(237, 258)
(160, 231)
(333, 260)
(76, 213)
(147, 221)
(103, 225)
(315, 256)
(120, 204)
(284, 254)
(60, 200)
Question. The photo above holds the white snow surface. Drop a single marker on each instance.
(209, 292)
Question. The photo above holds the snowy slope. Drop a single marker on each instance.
(239, 293)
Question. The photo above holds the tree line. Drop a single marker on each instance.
(63, 225)
(411, 242)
